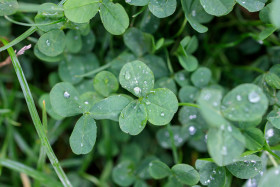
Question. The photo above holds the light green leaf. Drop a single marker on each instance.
(217, 7)
(186, 174)
(114, 17)
(83, 136)
(188, 62)
(50, 111)
(162, 8)
(137, 78)
(254, 138)
(133, 118)
(110, 108)
(159, 170)
(201, 77)
(188, 94)
(168, 83)
(272, 80)
(137, 2)
(222, 144)
(246, 167)
(270, 177)
(105, 83)
(8, 7)
(73, 41)
(156, 64)
(65, 100)
(275, 13)
(161, 105)
(252, 5)
(46, 58)
(274, 118)
(52, 43)
(246, 102)
(123, 173)
(81, 11)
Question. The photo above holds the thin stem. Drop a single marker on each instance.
(181, 28)
(169, 65)
(19, 39)
(35, 117)
(32, 24)
(271, 158)
(174, 150)
(189, 104)
(30, 7)
(95, 71)
(267, 148)
(91, 178)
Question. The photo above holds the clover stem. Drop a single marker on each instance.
(35, 117)
(188, 104)
(95, 71)
(169, 65)
(174, 150)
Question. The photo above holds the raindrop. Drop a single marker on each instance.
(127, 75)
(148, 103)
(224, 150)
(192, 117)
(269, 133)
(86, 102)
(137, 90)
(66, 94)
(229, 128)
(277, 172)
(238, 98)
(162, 114)
(48, 43)
(82, 144)
(254, 97)
(193, 13)
(192, 130)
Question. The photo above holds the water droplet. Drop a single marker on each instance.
(137, 90)
(148, 103)
(48, 43)
(66, 94)
(229, 128)
(86, 102)
(192, 117)
(224, 150)
(192, 130)
(193, 13)
(162, 114)
(254, 97)
(269, 133)
(277, 172)
(127, 75)
(238, 98)
(82, 144)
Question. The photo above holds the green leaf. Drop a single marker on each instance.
(218, 7)
(137, 78)
(252, 5)
(209, 102)
(83, 136)
(168, 83)
(50, 111)
(186, 174)
(157, 65)
(188, 94)
(133, 118)
(254, 138)
(113, 17)
(110, 108)
(274, 13)
(272, 134)
(52, 43)
(182, 78)
(188, 62)
(161, 105)
(246, 167)
(222, 144)
(180, 136)
(196, 15)
(274, 118)
(90, 98)
(246, 102)
(123, 173)
(138, 42)
(81, 11)
(73, 41)
(162, 8)
(48, 14)
(272, 80)
(70, 67)
(159, 170)
(270, 177)
(65, 100)
(46, 58)
(189, 114)
(8, 7)
(211, 174)
(105, 83)
(201, 77)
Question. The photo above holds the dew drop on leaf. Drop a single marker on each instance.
(137, 90)
(224, 150)
(48, 43)
(192, 130)
(66, 94)
(238, 98)
(86, 102)
(127, 75)
(162, 114)
(254, 97)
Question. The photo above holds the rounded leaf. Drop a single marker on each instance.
(133, 118)
(217, 7)
(212, 175)
(246, 102)
(186, 174)
(137, 78)
(105, 83)
(113, 17)
(158, 169)
(123, 173)
(52, 43)
(73, 41)
(8, 7)
(50, 111)
(162, 8)
(65, 100)
(161, 105)
(201, 77)
(252, 5)
(270, 177)
(80, 11)
(83, 136)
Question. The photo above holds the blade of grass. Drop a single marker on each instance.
(35, 117)
(16, 166)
